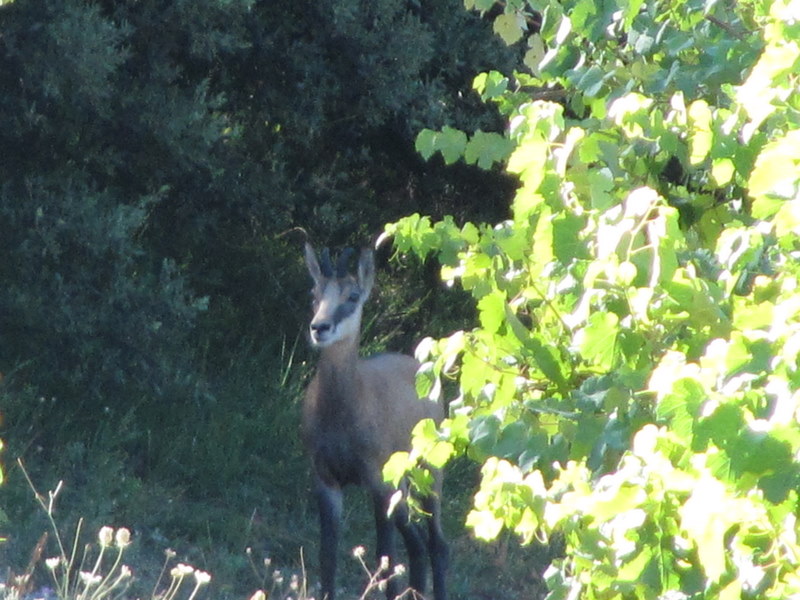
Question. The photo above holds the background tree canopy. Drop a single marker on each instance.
(612, 185)
(153, 151)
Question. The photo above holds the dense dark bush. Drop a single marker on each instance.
(152, 149)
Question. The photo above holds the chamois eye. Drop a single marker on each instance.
(353, 297)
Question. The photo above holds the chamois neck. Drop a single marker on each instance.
(340, 357)
(338, 377)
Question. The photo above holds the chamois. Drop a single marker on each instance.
(356, 413)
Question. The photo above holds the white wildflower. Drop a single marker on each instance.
(277, 577)
(90, 579)
(105, 536)
(202, 577)
(181, 570)
(123, 537)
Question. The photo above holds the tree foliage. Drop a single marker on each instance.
(633, 381)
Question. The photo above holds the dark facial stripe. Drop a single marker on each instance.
(344, 310)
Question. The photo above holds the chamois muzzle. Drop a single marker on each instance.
(320, 332)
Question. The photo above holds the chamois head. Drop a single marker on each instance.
(338, 295)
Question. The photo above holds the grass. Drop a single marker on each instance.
(86, 571)
(96, 571)
(221, 479)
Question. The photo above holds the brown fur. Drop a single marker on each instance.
(369, 404)
(356, 414)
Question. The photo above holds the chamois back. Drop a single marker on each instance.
(390, 403)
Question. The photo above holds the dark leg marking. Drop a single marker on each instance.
(329, 499)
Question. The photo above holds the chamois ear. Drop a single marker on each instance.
(366, 271)
(312, 263)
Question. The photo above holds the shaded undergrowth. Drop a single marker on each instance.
(222, 483)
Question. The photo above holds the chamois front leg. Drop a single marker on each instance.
(329, 499)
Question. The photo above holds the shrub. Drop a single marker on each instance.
(632, 383)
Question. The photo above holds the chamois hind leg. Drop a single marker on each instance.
(384, 528)
(437, 545)
(329, 499)
(415, 548)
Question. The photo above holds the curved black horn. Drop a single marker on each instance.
(325, 263)
(343, 262)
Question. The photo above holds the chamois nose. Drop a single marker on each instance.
(323, 327)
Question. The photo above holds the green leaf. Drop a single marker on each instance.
(591, 81)
(722, 170)
(548, 361)
(517, 328)
(758, 92)
(492, 311)
(425, 381)
(528, 160)
(567, 242)
(513, 440)
(776, 174)
(633, 569)
(704, 518)
(599, 339)
(700, 138)
(738, 354)
(535, 53)
(426, 443)
(601, 184)
(485, 149)
(681, 406)
(438, 455)
(723, 427)
(629, 112)
(630, 11)
(490, 85)
(618, 500)
(451, 143)
(481, 5)
(485, 524)
(396, 467)
(483, 436)
(426, 143)
(542, 252)
(508, 27)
